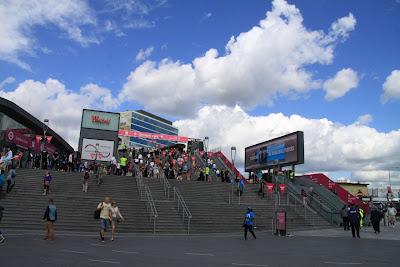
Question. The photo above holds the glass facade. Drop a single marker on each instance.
(143, 123)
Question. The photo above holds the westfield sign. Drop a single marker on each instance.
(98, 119)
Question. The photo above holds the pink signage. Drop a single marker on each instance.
(165, 137)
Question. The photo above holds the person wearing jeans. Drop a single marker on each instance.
(50, 217)
(248, 223)
(105, 216)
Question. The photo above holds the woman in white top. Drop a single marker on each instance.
(116, 216)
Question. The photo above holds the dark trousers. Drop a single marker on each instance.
(346, 223)
(355, 228)
(250, 229)
(376, 226)
(10, 186)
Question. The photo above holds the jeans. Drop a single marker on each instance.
(250, 229)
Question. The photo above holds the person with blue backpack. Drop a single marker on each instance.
(2, 181)
(248, 223)
(50, 217)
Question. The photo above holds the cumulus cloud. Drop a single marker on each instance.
(338, 86)
(391, 87)
(329, 146)
(365, 119)
(143, 54)
(6, 81)
(267, 61)
(19, 17)
(63, 107)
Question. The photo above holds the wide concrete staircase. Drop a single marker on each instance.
(25, 206)
(213, 207)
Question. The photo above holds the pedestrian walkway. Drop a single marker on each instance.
(387, 233)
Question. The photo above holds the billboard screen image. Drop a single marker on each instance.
(100, 150)
(283, 151)
(100, 120)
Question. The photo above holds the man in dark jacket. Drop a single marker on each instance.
(345, 217)
(50, 216)
(354, 218)
(376, 216)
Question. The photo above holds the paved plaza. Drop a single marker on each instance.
(307, 248)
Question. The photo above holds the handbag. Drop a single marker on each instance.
(97, 212)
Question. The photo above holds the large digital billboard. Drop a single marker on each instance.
(100, 150)
(93, 119)
(283, 151)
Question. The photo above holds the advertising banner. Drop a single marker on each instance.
(282, 188)
(281, 221)
(100, 150)
(100, 120)
(283, 151)
(270, 187)
(19, 139)
(165, 137)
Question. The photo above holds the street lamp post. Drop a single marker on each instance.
(43, 141)
(206, 140)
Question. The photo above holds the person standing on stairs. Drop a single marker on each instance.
(85, 183)
(116, 216)
(105, 216)
(46, 183)
(248, 223)
(11, 179)
(50, 216)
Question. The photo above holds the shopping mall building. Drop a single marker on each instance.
(21, 131)
(143, 121)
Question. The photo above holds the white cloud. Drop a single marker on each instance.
(6, 81)
(19, 18)
(143, 54)
(329, 146)
(364, 119)
(338, 86)
(391, 87)
(63, 107)
(268, 61)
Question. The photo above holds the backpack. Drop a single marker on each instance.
(52, 212)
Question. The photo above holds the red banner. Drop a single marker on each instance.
(19, 139)
(270, 187)
(282, 188)
(165, 137)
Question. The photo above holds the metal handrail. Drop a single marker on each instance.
(150, 205)
(166, 185)
(185, 210)
(140, 186)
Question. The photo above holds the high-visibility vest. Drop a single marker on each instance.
(122, 161)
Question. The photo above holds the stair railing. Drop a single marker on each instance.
(151, 207)
(140, 186)
(166, 186)
(181, 204)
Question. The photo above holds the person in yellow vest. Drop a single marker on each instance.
(361, 217)
(123, 161)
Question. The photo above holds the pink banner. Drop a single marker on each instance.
(342, 193)
(165, 137)
(19, 139)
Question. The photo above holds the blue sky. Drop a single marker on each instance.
(97, 43)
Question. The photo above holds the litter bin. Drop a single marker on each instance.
(280, 222)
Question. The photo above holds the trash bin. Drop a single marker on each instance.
(280, 217)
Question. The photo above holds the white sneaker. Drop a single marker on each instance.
(2, 238)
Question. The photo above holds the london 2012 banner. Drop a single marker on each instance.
(283, 151)
(100, 150)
